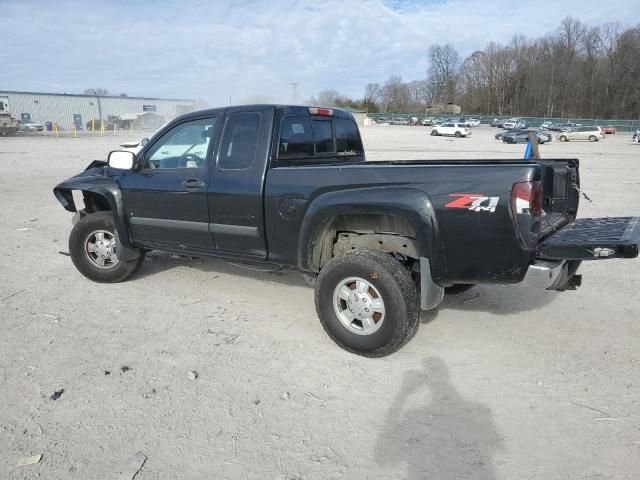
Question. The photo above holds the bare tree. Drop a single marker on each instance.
(443, 72)
(395, 95)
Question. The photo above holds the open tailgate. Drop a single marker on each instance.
(593, 239)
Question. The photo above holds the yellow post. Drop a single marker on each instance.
(55, 127)
(102, 128)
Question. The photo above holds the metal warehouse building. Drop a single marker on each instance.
(68, 109)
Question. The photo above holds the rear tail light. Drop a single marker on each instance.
(526, 207)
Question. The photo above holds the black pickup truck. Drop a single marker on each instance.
(289, 185)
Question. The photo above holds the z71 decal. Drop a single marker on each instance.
(473, 201)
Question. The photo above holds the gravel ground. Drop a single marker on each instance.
(499, 383)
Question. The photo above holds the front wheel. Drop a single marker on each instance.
(367, 302)
(458, 134)
(593, 138)
(434, 133)
(93, 250)
(563, 139)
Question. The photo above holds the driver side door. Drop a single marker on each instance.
(165, 198)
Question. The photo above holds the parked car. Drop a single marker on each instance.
(382, 120)
(636, 136)
(400, 121)
(454, 129)
(609, 130)
(473, 122)
(515, 124)
(136, 145)
(497, 122)
(30, 126)
(546, 125)
(429, 121)
(593, 134)
(500, 135)
(522, 136)
(563, 127)
(370, 235)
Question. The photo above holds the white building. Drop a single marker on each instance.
(69, 109)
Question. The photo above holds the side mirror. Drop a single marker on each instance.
(121, 160)
(144, 141)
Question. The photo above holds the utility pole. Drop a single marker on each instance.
(99, 107)
(294, 86)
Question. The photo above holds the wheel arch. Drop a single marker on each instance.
(100, 194)
(403, 212)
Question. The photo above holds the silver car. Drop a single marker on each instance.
(593, 134)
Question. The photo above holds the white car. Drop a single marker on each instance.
(593, 134)
(511, 123)
(136, 145)
(31, 126)
(454, 129)
(473, 122)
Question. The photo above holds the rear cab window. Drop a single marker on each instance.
(314, 139)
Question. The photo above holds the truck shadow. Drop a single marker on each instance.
(433, 432)
(157, 262)
(499, 299)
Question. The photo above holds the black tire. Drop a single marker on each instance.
(563, 139)
(80, 235)
(396, 288)
(458, 134)
(434, 133)
(458, 288)
(593, 138)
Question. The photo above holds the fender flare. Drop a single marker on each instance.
(410, 204)
(109, 189)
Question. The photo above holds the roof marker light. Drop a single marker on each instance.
(326, 112)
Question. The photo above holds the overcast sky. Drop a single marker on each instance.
(255, 50)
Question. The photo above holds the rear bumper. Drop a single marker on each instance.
(553, 275)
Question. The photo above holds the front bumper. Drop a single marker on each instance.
(553, 275)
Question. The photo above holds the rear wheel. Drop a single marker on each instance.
(93, 250)
(367, 302)
(593, 138)
(434, 133)
(563, 138)
(458, 134)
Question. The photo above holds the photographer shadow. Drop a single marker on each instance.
(435, 432)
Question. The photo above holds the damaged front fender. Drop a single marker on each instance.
(96, 181)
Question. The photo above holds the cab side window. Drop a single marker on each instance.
(184, 146)
(239, 141)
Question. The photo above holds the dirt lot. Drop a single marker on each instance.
(499, 383)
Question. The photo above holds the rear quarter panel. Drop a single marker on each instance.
(474, 245)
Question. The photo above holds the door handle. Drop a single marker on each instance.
(193, 184)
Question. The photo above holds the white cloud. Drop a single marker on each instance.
(214, 50)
